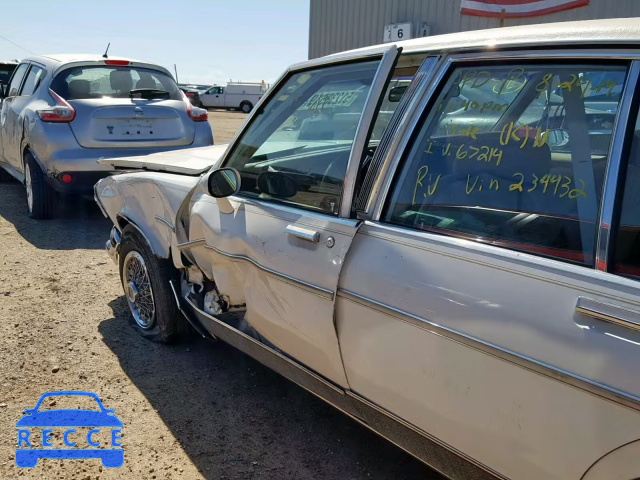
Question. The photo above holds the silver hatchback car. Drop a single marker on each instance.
(62, 113)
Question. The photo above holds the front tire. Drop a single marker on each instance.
(145, 280)
(40, 196)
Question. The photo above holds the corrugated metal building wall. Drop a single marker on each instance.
(337, 25)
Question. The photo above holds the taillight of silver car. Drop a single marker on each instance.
(62, 112)
(195, 113)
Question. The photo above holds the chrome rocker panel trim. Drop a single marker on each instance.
(160, 219)
(421, 445)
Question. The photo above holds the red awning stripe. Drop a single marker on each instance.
(517, 9)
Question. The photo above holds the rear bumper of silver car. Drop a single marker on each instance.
(113, 245)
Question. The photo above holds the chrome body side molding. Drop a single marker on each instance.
(323, 292)
(191, 244)
(426, 448)
(166, 222)
(595, 388)
(607, 312)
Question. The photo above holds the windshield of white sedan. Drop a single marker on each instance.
(297, 148)
(514, 156)
(88, 82)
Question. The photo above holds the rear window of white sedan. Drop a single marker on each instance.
(99, 81)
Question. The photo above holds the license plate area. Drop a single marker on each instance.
(130, 129)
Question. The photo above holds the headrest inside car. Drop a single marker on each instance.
(121, 81)
(79, 89)
(146, 82)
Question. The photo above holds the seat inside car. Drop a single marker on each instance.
(121, 81)
(79, 89)
(146, 82)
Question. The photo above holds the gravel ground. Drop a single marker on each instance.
(194, 411)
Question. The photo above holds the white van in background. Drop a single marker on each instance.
(235, 95)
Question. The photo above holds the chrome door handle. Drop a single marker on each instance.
(303, 233)
(609, 313)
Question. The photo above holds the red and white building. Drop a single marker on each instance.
(337, 25)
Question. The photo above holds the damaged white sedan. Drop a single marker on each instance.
(439, 237)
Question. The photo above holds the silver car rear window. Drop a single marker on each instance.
(99, 81)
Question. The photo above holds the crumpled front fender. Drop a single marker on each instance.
(148, 201)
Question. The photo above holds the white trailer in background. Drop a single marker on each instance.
(235, 95)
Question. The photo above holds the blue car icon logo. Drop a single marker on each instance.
(68, 420)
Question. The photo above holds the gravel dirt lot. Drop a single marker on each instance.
(195, 411)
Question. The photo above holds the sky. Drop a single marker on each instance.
(210, 41)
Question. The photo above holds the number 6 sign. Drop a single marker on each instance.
(397, 32)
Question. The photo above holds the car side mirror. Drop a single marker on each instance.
(277, 184)
(221, 184)
(2, 91)
(224, 182)
(396, 93)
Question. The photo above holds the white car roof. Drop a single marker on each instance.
(617, 31)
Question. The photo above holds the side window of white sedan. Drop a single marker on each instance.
(297, 147)
(514, 156)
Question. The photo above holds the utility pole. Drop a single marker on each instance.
(176, 70)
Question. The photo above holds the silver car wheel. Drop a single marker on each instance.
(137, 288)
(28, 187)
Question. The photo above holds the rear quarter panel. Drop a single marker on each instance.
(520, 423)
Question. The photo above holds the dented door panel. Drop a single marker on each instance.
(288, 284)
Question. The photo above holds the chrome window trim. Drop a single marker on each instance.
(423, 76)
(160, 219)
(612, 173)
(309, 287)
(364, 127)
(610, 54)
(598, 389)
(407, 125)
(342, 58)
